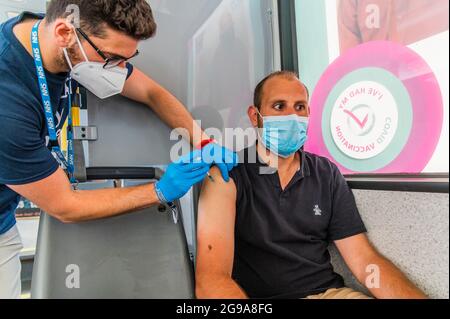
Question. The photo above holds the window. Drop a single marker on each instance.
(378, 70)
(10, 9)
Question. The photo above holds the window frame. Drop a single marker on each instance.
(421, 182)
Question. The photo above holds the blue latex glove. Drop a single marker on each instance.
(181, 176)
(223, 158)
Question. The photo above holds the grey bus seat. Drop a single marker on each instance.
(139, 255)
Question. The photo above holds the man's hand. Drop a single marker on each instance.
(181, 176)
(223, 158)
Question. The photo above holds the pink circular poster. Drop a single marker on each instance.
(377, 109)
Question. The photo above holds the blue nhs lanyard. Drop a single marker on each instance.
(50, 120)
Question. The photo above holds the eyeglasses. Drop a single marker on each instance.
(109, 62)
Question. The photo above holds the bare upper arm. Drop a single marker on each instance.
(51, 194)
(215, 229)
(357, 252)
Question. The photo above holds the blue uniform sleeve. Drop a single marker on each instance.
(130, 68)
(24, 157)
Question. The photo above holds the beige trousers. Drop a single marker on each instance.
(341, 293)
(10, 267)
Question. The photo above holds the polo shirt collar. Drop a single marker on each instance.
(304, 171)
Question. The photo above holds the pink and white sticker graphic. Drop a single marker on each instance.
(361, 120)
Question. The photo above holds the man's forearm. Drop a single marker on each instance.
(219, 288)
(393, 284)
(172, 112)
(97, 204)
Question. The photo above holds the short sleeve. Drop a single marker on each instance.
(345, 220)
(130, 69)
(24, 157)
(237, 179)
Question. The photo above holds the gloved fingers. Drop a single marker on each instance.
(229, 166)
(224, 171)
(231, 160)
(218, 154)
(193, 157)
(212, 154)
(193, 167)
(195, 174)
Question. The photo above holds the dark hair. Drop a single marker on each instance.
(259, 90)
(133, 17)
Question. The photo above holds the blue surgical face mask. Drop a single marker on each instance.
(284, 135)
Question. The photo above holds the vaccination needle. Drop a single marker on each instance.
(209, 175)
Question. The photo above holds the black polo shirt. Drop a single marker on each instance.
(282, 237)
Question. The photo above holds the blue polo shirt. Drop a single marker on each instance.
(24, 156)
(24, 153)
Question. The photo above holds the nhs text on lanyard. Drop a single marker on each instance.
(50, 120)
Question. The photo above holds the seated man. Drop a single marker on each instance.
(267, 235)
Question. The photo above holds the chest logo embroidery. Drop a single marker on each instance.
(317, 211)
